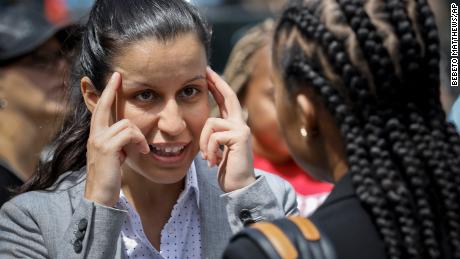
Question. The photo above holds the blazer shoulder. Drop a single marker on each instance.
(69, 180)
(63, 189)
(282, 189)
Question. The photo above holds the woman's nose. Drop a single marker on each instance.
(171, 120)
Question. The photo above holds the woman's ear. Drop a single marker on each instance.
(89, 92)
(308, 113)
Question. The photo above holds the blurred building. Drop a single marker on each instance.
(229, 19)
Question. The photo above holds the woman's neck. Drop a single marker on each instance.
(339, 170)
(21, 143)
(153, 202)
(143, 193)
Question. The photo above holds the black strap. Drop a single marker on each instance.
(296, 237)
(260, 240)
(307, 248)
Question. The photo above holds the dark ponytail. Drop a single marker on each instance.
(112, 25)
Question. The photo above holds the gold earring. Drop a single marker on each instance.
(303, 132)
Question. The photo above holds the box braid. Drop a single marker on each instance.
(409, 49)
(373, 126)
(334, 49)
(367, 188)
(398, 166)
(337, 55)
(378, 58)
(440, 129)
(429, 32)
(412, 160)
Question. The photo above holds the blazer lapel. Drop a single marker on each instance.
(215, 229)
(120, 254)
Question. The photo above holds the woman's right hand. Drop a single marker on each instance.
(105, 153)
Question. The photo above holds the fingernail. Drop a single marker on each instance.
(146, 150)
(114, 74)
(114, 77)
(209, 164)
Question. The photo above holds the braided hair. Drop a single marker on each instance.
(375, 65)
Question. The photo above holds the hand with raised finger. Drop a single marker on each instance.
(235, 163)
(105, 153)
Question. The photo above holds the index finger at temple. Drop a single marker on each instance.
(103, 109)
(224, 95)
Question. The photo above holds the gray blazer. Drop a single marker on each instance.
(62, 224)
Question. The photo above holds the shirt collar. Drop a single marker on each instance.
(191, 183)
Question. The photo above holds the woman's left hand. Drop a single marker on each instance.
(235, 163)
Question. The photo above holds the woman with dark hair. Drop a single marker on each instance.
(125, 178)
(357, 93)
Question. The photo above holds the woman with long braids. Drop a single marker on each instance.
(357, 92)
(248, 73)
(126, 179)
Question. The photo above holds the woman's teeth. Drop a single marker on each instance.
(167, 151)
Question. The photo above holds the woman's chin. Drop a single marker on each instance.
(158, 174)
(166, 177)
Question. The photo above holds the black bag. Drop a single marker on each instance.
(289, 238)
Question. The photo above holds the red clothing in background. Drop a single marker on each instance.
(310, 192)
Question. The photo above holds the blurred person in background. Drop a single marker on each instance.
(34, 43)
(357, 92)
(248, 72)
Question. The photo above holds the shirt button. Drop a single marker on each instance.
(245, 215)
(82, 224)
(80, 234)
(77, 246)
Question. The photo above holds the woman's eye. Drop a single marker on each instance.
(270, 93)
(145, 96)
(189, 92)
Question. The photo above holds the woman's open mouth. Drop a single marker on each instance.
(169, 153)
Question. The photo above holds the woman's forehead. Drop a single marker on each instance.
(182, 47)
(151, 59)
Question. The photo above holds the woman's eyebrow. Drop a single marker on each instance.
(195, 78)
(132, 83)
